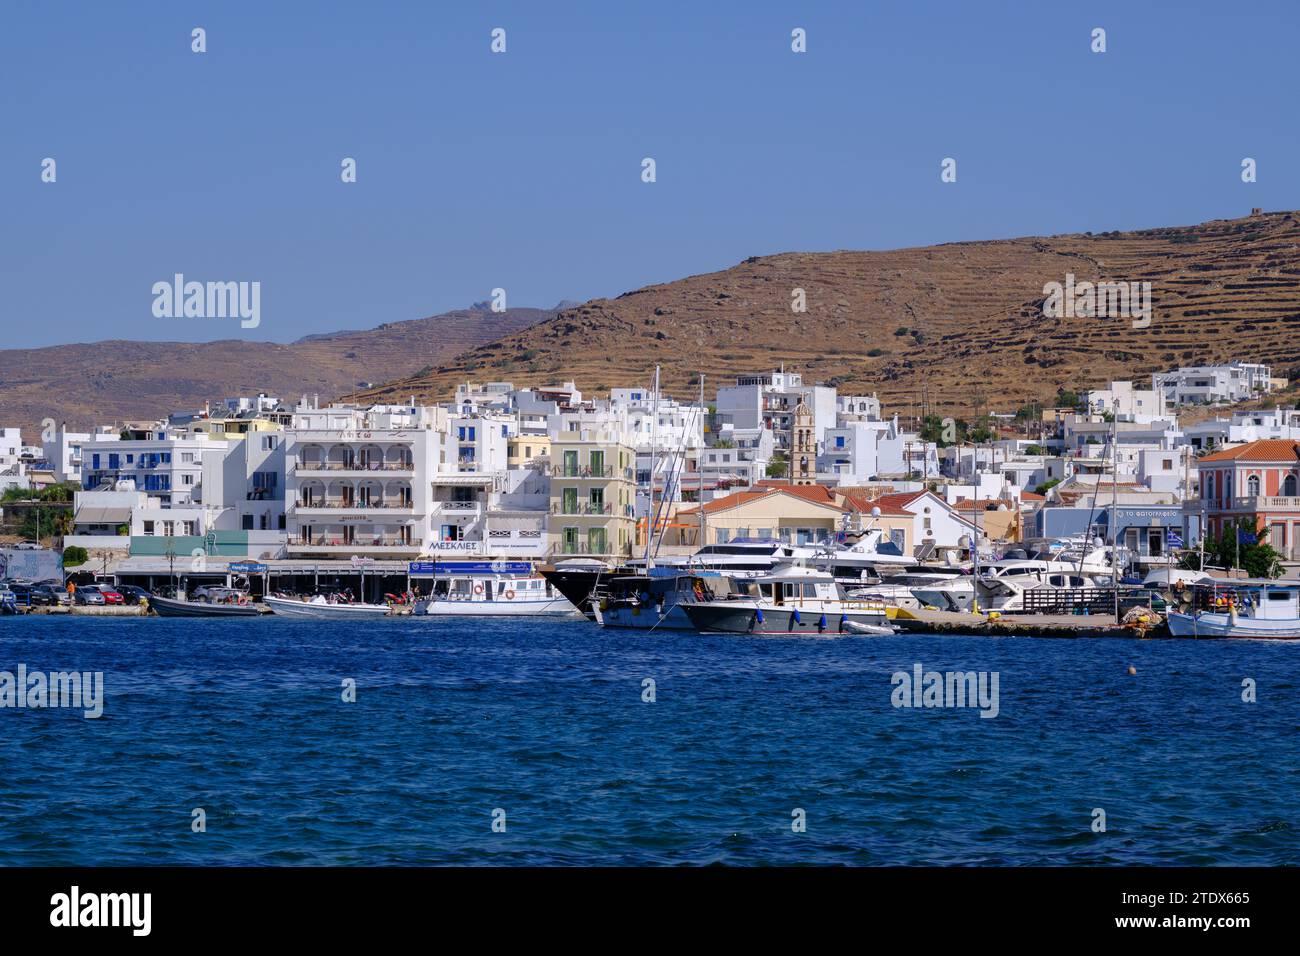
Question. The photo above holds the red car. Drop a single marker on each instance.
(110, 596)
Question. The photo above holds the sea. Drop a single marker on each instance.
(500, 743)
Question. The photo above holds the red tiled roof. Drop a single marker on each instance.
(817, 494)
(1267, 449)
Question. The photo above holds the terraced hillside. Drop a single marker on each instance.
(106, 382)
(958, 326)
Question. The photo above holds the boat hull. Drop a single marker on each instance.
(744, 618)
(645, 618)
(287, 607)
(170, 607)
(552, 607)
(577, 584)
(1223, 625)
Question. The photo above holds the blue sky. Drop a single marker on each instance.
(522, 170)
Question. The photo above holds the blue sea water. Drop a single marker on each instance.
(547, 722)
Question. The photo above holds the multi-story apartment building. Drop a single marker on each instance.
(769, 400)
(593, 493)
(164, 464)
(1212, 384)
(358, 481)
(64, 452)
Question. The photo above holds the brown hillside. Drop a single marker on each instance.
(975, 334)
(106, 382)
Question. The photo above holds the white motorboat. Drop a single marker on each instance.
(793, 600)
(897, 589)
(1001, 585)
(738, 558)
(1261, 609)
(320, 607)
(489, 589)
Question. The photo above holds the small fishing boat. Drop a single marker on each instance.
(1263, 609)
(319, 607)
(206, 602)
(491, 589)
(795, 600)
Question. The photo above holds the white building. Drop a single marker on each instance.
(358, 481)
(1125, 403)
(1213, 384)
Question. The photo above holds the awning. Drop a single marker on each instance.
(106, 515)
(468, 478)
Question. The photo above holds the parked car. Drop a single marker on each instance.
(133, 594)
(111, 594)
(90, 594)
(38, 595)
(49, 595)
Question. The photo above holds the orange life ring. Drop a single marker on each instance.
(478, 589)
(510, 595)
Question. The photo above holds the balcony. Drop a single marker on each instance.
(1255, 503)
(458, 507)
(338, 506)
(355, 468)
(582, 509)
(361, 544)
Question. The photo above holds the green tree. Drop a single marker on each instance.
(1258, 558)
(779, 466)
(74, 556)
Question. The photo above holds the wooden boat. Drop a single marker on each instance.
(1261, 609)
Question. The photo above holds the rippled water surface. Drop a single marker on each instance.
(546, 722)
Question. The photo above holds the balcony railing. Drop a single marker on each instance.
(1251, 503)
(360, 541)
(563, 472)
(582, 509)
(356, 505)
(460, 507)
(355, 466)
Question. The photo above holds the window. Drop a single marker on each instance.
(148, 527)
(1252, 486)
(187, 480)
(839, 441)
(269, 442)
(246, 522)
(597, 462)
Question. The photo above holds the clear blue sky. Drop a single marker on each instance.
(522, 170)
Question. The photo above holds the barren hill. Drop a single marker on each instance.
(105, 382)
(959, 326)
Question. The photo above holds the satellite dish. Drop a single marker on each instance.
(875, 511)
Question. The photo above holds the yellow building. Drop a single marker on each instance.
(230, 428)
(522, 449)
(796, 514)
(593, 496)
